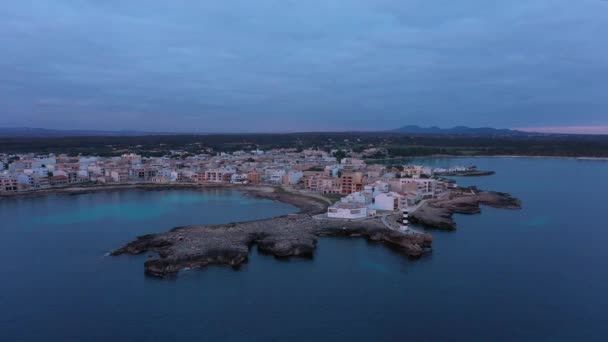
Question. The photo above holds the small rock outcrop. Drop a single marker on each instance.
(438, 213)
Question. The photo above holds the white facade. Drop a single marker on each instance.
(386, 201)
(239, 178)
(357, 197)
(377, 188)
(334, 170)
(274, 176)
(294, 176)
(347, 211)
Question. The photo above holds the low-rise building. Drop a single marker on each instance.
(8, 183)
(347, 210)
(59, 180)
(218, 175)
(389, 201)
(119, 176)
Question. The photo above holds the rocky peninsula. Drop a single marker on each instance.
(438, 213)
(285, 236)
(296, 235)
(466, 173)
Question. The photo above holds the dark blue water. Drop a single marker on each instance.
(534, 274)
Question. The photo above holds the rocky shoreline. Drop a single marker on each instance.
(296, 235)
(467, 173)
(438, 213)
(293, 235)
(85, 189)
(286, 236)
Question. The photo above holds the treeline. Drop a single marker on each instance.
(397, 144)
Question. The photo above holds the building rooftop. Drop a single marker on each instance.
(348, 205)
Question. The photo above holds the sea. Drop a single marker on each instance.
(535, 274)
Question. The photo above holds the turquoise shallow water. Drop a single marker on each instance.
(534, 274)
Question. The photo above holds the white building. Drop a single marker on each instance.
(119, 176)
(239, 178)
(347, 211)
(85, 162)
(294, 176)
(377, 188)
(362, 197)
(274, 176)
(389, 201)
(333, 170)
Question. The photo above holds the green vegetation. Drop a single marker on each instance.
(333, 197)
(397, 145)
(339, 155)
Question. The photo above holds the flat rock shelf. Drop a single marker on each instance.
(296, 235)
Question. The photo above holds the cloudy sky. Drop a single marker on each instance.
(294, 65)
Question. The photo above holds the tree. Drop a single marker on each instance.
(339, 155)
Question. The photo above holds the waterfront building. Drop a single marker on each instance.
(160, 179)
(254, 177)
(347, 210)
(219, 175)
(8, 183)
(274, 176)
(59, 180)
(239, 178)
(119, 176)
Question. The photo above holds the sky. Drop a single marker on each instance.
(293, 65)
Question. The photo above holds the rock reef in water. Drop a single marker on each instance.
(286, 236)
(296, 235)
(438, 213)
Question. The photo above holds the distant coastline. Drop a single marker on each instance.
(449, 156)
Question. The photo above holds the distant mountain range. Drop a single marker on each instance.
(458, 130)
(6, 132)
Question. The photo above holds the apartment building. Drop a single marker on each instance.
(8, 183)
(351, 182)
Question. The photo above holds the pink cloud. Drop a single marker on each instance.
(568, 129)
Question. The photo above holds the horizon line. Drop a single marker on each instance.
(589, 130)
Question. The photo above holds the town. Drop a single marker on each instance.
(358, 189)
